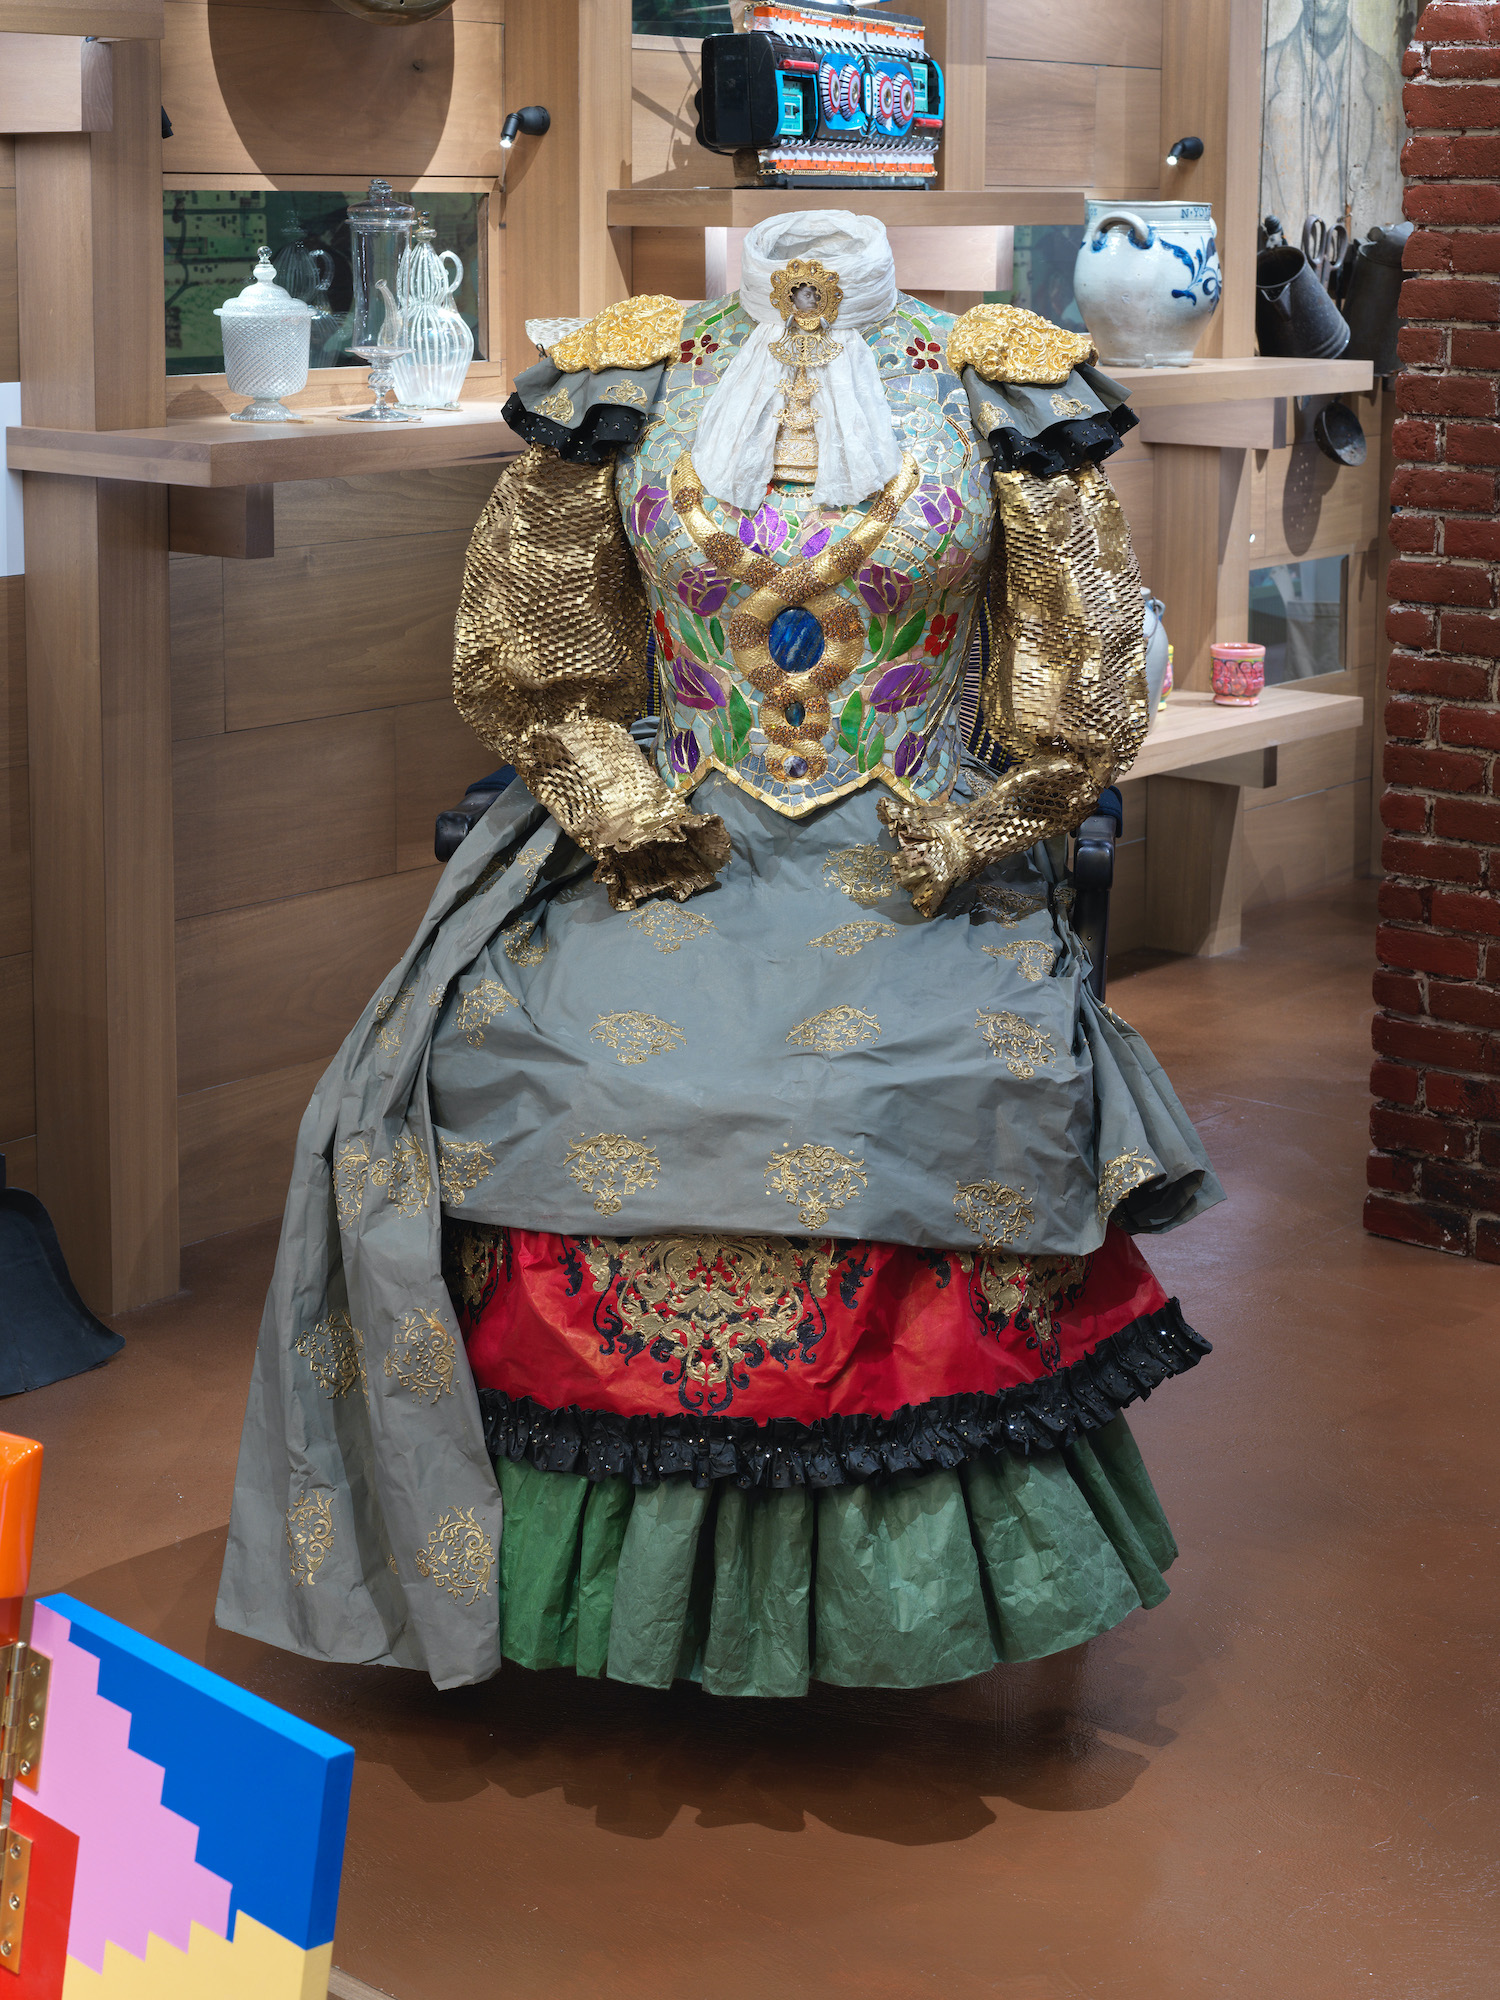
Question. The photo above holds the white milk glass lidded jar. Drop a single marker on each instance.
(266, 339)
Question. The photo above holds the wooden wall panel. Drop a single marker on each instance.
(332, 629)
(1070, 124)
(311, 90)
(1306, 843)
(1132, 473)
(15, 860)
(12, 670)
(17, 1070)
(236, 1149)
(10, 328)
(438, 757)
(278, 984)
(261, 814)
(196, 585)
(663, 151)
(1118, 32)
(20, 1162)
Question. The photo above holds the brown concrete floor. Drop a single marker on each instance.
(1280, 1784)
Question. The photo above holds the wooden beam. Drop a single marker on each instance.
(236, 521)
(1260, 424)
(55, 83)
(562, 255)
(89, 251)
(120, 20)
(955, 33)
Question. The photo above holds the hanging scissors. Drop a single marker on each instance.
(1324, 245)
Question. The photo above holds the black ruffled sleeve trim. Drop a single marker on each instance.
(605, 429)
(843, 1451)
(1062, 447)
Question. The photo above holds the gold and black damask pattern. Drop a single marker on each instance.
(549, 670)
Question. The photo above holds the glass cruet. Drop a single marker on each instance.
(435, 333)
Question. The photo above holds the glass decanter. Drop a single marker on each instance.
(380, 230)
(437, 336)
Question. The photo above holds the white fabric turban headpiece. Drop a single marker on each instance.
(857, 450)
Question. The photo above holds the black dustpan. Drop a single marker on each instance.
(47, 1333)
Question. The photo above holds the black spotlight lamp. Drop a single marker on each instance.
(533, 120)
(1184, 149)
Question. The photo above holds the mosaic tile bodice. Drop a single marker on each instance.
(860, 681)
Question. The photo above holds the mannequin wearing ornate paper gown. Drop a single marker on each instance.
(810, 625)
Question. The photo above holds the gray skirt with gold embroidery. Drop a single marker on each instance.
(793, 1050)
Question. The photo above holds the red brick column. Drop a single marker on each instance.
(1435, 1170)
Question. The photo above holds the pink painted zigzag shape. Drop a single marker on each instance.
(136, 1869)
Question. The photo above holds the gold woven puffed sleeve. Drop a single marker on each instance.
(549, 670)
(1065, 692)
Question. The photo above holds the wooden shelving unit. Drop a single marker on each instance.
(897, 208)
(217, 452)
(1243, 378)
(1191, 729)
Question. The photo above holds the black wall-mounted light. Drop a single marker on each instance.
(533, 120)
(1184, 149)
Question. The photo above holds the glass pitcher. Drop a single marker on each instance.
(435, 333)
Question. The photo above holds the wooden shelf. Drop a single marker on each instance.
(1191, 728)
(898, 208)
(1241, 379)
(216, 451)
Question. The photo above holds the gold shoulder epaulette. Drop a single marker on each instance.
(632, 334)
(1009, 344)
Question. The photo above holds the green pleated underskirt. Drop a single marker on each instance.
(929, 1577)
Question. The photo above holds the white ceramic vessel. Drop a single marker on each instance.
(1147, 280)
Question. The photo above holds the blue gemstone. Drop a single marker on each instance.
(796, 767)
(796, 640)
(795, 714)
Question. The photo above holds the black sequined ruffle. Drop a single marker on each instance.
(840, 1451)
(1062, 447)
(604, 429)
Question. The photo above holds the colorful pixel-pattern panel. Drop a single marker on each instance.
(199, 1829)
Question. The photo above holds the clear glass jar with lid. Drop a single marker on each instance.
(380, 232)
(266, 339)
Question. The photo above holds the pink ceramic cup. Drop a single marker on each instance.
(1239, 674)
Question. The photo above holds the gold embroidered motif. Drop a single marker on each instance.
(1006, 1282)
(1009, 344)
(519, 946)
(996, 1214)
(391, 1014)
(333, 1348)
(992, 417)
(1007, 906)
(309, 1535)
(814, 1180)
(667, 926)
(867, 875)
(422, 1354)
(406, 1175)
(390, 1563)
(835, 1029)
(1069, 406)
(472, 1253)
(635, 1037)
(625, 392)
(350, 1174)
(611, 1167)
(1032, 958)
(483, 1003)
(462, 1164)
(850, 938)
(1120, 1175)
(713, 1307)
(1015, 1041)
(458, 1557)
(558, 406)
(630, 334)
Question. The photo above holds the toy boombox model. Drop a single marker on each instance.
(823, 96)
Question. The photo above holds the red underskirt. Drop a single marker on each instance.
(765, 1328)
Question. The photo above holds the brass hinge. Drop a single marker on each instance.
(23, 1713)
(14, 1872)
